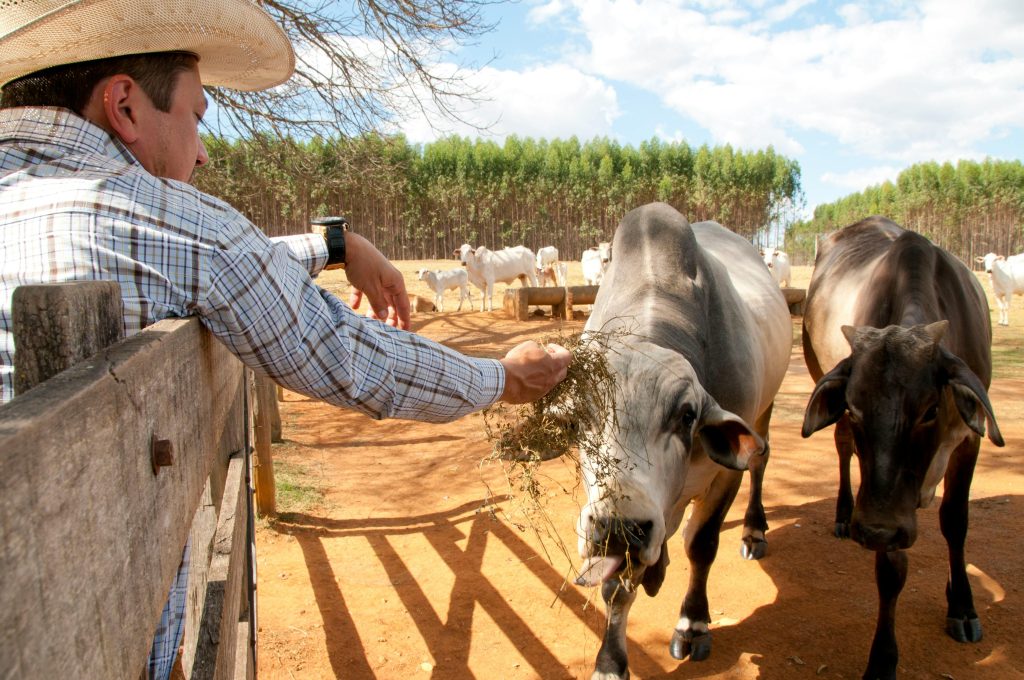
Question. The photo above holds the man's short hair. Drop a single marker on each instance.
(71, 85)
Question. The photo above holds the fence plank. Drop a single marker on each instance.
(90, 537)
(216, 654)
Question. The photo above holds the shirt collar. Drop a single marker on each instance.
(55, 126)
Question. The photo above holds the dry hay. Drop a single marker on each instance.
(559, 425)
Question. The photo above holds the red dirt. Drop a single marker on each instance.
(410, 568)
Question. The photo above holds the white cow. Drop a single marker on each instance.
(778, 264)
(487, 267)
(440, 281)
(548, 269)
(691, 410)
(595, 262)
(1007, 275)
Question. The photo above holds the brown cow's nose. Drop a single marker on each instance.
(888, 536)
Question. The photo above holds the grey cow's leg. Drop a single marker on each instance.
(692, 636)
(754, 545)
(844, 498)
(611, 658)
(962, 622)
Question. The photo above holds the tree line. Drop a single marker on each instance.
(969, 209)
(424, 201)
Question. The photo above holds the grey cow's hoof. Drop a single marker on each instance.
(964, 630)
(753, 548)
(697, 647)
(841, 530)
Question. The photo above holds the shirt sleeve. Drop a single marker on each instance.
(263, 305)
(309, 249)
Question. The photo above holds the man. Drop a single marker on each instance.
(99, 113)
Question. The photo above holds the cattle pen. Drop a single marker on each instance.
(414, 564)
(127, 450)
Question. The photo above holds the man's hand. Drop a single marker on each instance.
(372, 275)
(531, 371)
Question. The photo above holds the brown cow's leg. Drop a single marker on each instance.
(890, 575)
(844, 498)
(755, 524)
(692, 636)
(611, 658)
(962, 622)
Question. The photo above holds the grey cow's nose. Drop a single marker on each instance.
(616, 535)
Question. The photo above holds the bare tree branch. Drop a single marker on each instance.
(359, 66)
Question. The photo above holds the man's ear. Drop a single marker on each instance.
(120, 106)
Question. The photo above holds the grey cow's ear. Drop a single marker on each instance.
(970, 397)
(828, 400)
(727, 439)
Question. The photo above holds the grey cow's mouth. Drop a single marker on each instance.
(627, 569)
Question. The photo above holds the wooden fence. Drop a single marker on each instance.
(105, 470)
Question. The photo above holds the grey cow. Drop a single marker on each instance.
(897, 335)
(699, 338)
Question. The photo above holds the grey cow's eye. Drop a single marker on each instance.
(687, 418)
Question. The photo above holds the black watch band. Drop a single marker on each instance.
(334, 234)
(335, 245)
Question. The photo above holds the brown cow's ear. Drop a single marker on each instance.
(727, 439)
(828, 400)
(971, 398)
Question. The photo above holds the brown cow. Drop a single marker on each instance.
(897, 335)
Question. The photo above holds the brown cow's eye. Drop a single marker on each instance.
(931, 414)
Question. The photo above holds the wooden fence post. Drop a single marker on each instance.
(59, 324)
(266, 495)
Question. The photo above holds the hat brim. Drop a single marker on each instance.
(238, 44)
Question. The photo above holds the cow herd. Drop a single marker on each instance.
(696, 331)
(697, 334)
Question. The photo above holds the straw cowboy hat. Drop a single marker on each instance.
(238, 44)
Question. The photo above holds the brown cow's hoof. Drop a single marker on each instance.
(964, 630)
(879, 674)
(753, 548)
(697, 647)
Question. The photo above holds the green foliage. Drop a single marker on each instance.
(424, 202)
(970, 208)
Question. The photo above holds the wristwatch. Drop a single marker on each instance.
(334, 234)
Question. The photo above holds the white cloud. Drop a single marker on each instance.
(857, 180)
(935, 79)
(547, 101)
(544, 12)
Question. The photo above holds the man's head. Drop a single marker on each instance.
(137, 67)
(153, 103)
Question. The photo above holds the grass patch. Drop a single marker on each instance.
(1007, 356)
(297, 489)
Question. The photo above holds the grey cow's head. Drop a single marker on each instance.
(909, 402)
(663, 423)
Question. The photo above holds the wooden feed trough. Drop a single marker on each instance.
(518, 300)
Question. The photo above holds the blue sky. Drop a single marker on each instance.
(855, 92)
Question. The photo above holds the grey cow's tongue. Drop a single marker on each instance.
(597, 570)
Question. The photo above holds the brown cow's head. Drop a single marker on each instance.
(910, 402)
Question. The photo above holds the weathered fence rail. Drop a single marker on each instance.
(94, 514)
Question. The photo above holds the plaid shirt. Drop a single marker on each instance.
(75, 204)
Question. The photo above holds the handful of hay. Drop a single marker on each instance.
(551, 426)
(565, 419)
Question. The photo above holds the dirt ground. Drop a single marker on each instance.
(412, 566)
